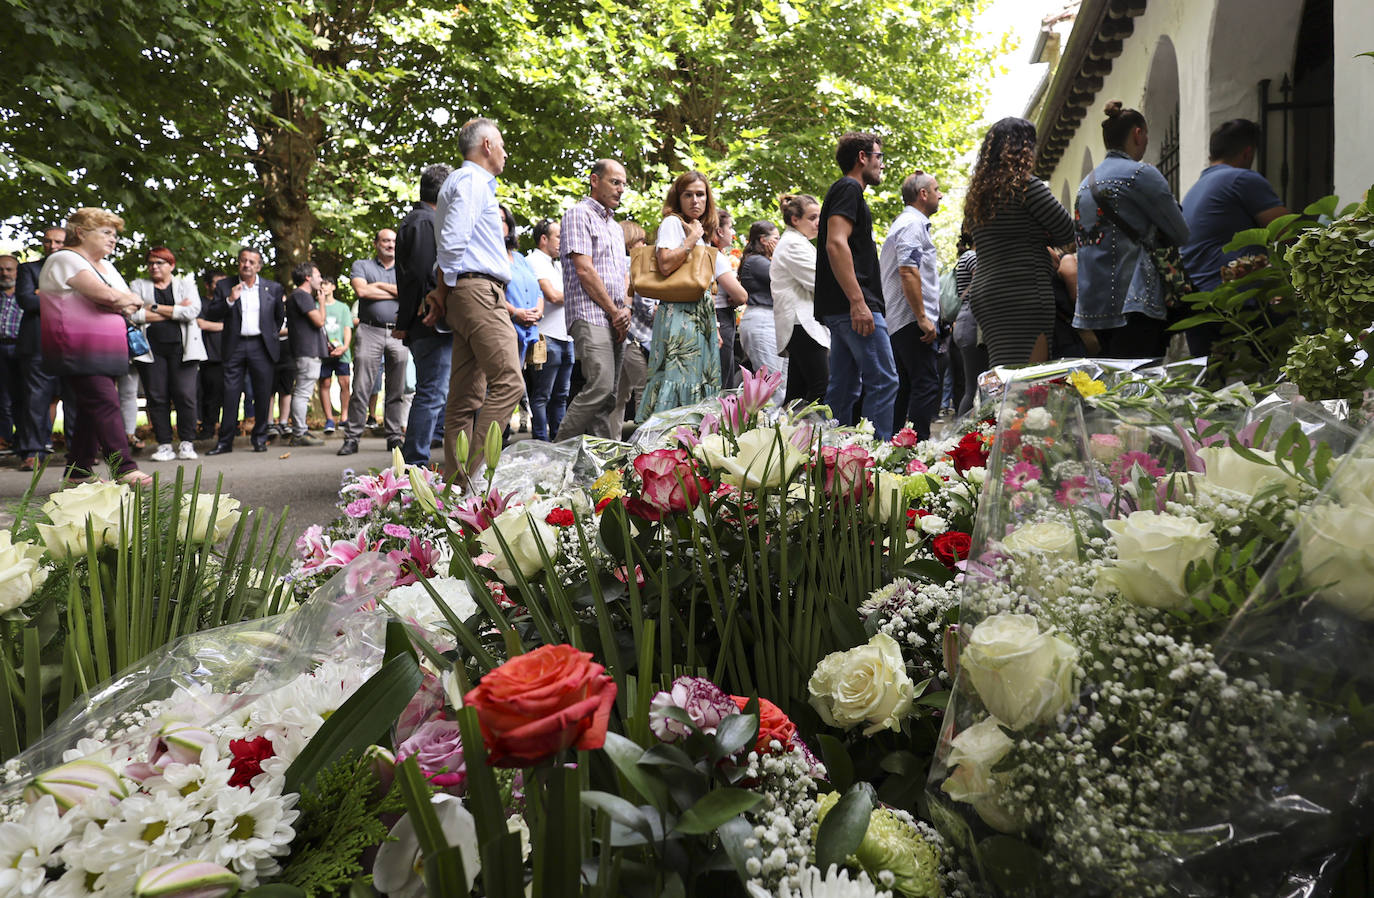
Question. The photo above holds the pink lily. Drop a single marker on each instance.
(382, 488)
(341, 552)
(478, 512)
(757, 389)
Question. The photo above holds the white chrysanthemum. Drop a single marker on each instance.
(199, 783)
(291, 715)
(833, 883)
(164, 820)
(103, 859)
(28, 846)
(413, 602)
(252, 827)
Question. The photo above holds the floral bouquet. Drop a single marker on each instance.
(1133, 707)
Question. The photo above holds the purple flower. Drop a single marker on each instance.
(400, 531)
(438, 749)
(358, 508)
(705, 703)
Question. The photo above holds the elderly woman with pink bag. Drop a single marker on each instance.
(85, 341)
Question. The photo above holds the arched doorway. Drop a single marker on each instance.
(1313, 166)
(1160, 107)
(1087, 162)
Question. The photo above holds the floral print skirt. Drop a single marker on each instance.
(684, 361)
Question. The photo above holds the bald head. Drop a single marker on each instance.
(386, 246)
(607, 182)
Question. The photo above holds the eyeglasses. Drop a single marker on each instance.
(158, 262)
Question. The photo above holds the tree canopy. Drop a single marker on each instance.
(304, 124)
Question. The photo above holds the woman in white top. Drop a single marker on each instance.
(170, 308)
(84, 302)
(801, 338)
(684, 363)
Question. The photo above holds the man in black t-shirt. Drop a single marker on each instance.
(305, 331)
(849, 290)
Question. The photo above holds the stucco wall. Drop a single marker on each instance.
(1223, 49)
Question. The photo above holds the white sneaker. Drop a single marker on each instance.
(164, 453)
(186, 451)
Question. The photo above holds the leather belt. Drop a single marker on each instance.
(480, 274)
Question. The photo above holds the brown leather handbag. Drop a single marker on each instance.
(688, 283)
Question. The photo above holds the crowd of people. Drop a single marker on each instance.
(463, 329)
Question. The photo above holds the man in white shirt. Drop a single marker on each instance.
(252, 310)
(911, 291)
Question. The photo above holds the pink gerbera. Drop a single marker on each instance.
(1124, 467)
(1021, 475)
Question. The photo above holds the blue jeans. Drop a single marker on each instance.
(432, 356)
(549, 392)
(862, 363)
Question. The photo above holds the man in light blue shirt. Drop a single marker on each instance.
(470, 296)
(910, 270)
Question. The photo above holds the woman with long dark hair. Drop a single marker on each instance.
(757, 333)
(1124, 209)
(1013, 217)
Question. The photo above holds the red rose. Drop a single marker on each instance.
(846, 470)
(773, 724)
(970, 453)
(951, 547)
(560, 517)
(248, 757)
(670, 484)
(1037, 394)
(537, 704)
(906, 438)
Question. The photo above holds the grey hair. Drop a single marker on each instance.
(914, 184)
(473, 132)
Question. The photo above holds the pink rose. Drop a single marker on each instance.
(438, 748)
(846, 470)
(670, 484)
(906, 438)
(916, 466)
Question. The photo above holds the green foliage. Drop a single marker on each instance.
(102, 611)
(303, 124)
(341, 817)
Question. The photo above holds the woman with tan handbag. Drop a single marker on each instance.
(684, 366)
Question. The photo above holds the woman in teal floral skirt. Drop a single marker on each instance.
(684, 363)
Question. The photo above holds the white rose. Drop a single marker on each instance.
(227, 516)
(764, 459)
(1049, 537)
(976, 475)
(21, 571)
(1038, 419)
(934, 524)
(887, 496)
(105, 504)
(1023, 676)
(523, 533)
(1153, 553)
(713, 449)
(1335, 542)
(867, 684)
(1353, 482)
(972, 756)
(1228, 469)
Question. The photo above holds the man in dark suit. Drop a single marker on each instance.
(40, 388)
(253, 311)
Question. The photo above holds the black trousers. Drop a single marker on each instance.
(250, 362)
(168, 382)
(918, 381)
(41, 388)
(975, 362)
(210, 394)
(808, 368)
(1142, 337)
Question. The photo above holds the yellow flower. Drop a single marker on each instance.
(609, 485)
(1085, 385)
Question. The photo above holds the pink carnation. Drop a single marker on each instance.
(358, 508)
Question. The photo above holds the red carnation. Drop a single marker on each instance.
(951, 547)
(248, 757)
(560, 517)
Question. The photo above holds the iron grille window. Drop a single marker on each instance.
(1168, 153)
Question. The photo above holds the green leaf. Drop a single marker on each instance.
(275, 890)
(838, 764)
(1009, 863)
(625, 755)
(842, 830)
(733, 734)
(714, 808)
(619, 810)
(360, 721)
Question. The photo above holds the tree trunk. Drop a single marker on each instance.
(284, 162)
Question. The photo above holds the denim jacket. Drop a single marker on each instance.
(1115, 276)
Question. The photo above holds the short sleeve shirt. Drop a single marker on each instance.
(672, 235)
(553, 325)
(1224, 201)
(337, 316)
(845, 198)
(908, 245)
(60, 267)
(590, 229)
(306, 339)
(376, 311)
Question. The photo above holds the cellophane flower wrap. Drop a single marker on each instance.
(182, 757)
(1162, 658)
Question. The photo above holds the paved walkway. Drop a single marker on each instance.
(303, 480)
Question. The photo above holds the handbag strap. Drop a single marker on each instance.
(88, 262)
(1107, 209)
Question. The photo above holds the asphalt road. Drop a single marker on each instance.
(302, 480)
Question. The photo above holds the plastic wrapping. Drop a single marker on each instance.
(215, 673)
(531, 466)
(1163, 661)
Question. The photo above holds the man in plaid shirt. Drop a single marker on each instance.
(595, 275)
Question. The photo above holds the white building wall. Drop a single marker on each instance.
(1224, 48)
(1354, 20)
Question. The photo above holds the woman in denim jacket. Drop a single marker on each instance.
(1118, 287)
